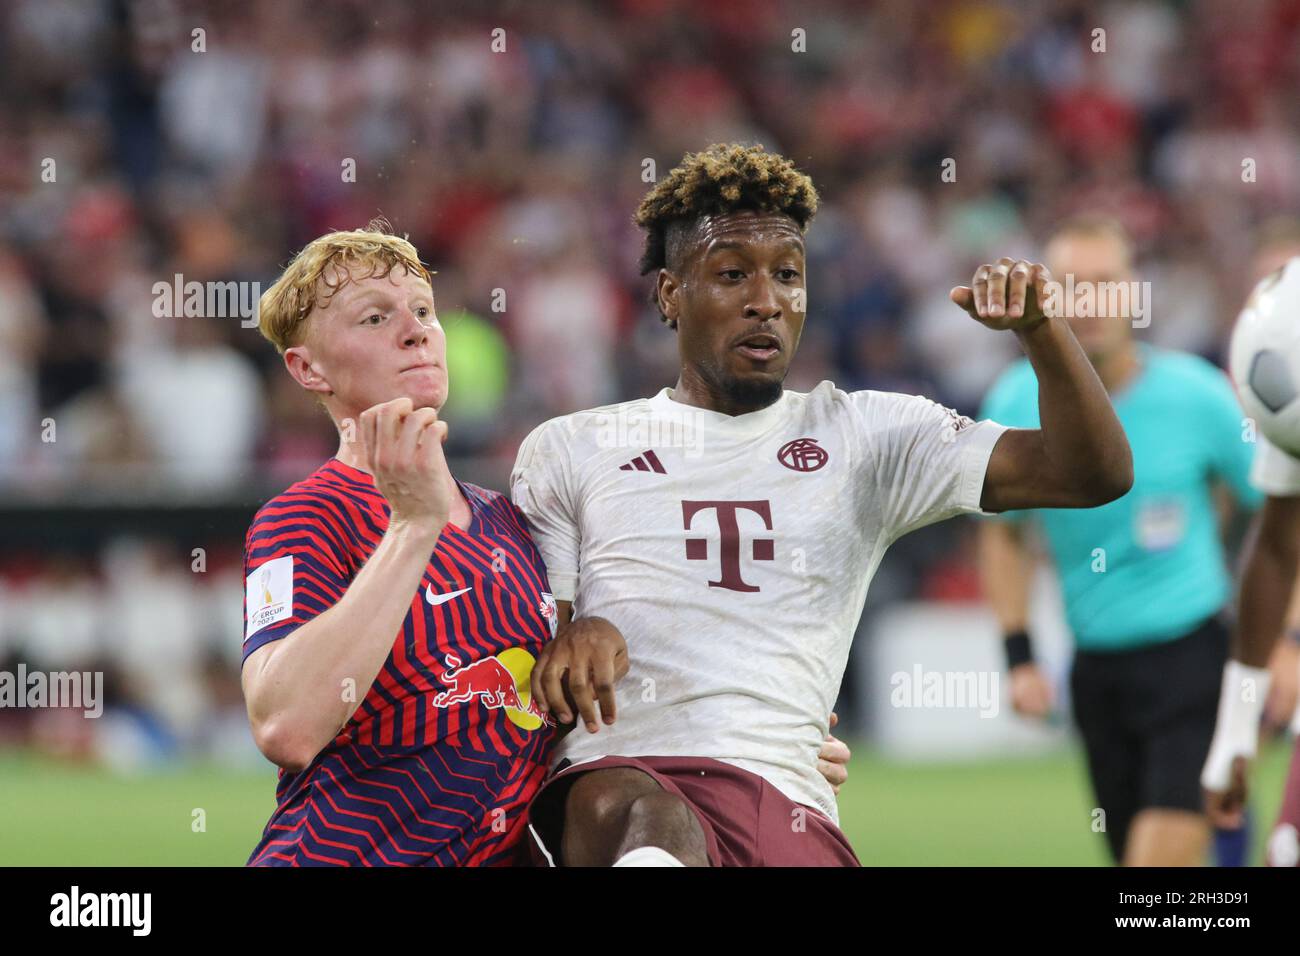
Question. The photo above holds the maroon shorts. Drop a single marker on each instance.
(746, 820)
(1283, 847)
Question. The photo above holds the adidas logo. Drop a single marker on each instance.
(646, 461)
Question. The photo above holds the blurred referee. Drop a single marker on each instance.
(1144, 578)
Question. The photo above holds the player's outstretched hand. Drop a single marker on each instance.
(1225, 808)
(403, 448)
(833, 759)
(1031, 691)
(578, 669)
(1007, 294)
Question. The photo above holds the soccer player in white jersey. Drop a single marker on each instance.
(1260, 659)
(730, 528)
(1269, 569)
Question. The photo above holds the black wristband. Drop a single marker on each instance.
(1020, 650)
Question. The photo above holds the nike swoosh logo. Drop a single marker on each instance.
(436, 599)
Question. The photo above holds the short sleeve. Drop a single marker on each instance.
(1275, 472)
(929, 461)
(541, 488)
(296, 566)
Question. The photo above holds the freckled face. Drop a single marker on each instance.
(378, 339)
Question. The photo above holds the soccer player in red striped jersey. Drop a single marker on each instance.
(393, 613)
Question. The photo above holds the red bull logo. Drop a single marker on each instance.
(499, 682)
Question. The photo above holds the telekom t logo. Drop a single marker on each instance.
(697, 549)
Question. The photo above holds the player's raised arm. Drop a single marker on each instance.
(1080, 457)
(292, 686)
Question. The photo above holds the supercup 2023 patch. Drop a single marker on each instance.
(268, 594)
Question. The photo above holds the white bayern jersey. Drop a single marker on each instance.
(734, 554)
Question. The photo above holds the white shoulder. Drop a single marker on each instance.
(828, 396)
(576, 428)
(604, 413)
(824, 398)
(889, 409)
(544, 434)
(865, 411)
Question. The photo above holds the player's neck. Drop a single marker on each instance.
(1118, 368)
(692, 390)
(352, 453)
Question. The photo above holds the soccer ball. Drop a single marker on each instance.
(1265, 357)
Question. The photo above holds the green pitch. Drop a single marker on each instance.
(1008, 812)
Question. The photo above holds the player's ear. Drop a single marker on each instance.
(666, 290)
(298, 361)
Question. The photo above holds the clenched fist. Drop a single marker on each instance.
(1007, 294)
(403, 447)
(1031, 691)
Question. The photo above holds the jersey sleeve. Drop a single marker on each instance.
(929, 462)
(296, 565)
(1275, 472)
(542, 488)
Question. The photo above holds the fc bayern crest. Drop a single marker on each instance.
(802, 454)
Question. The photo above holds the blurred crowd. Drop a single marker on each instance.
(144, 140)
(159, 627)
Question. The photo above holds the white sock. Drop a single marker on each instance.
(648, 856)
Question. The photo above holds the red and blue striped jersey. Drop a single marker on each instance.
(438, 763)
